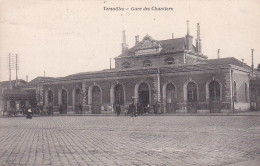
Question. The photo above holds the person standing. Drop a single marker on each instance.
(29, 113)
(133, 109)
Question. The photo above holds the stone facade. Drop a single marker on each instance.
(172, 72)
(157, 80)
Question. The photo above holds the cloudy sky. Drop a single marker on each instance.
(63, 37)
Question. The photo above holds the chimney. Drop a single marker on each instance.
(188, 28)
(110, 63)
(188, 38)
(26, 78)
(124, 45)
(252, 66)
(218, 53)
(198, 40)
(136, 39)
(243, 62)
(172, 35)
(44, 73)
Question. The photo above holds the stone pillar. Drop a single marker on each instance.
(157, 86)
(40, 91)
(84, 97)
(229, 90)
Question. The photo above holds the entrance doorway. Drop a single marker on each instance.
(96, 100)
(143, 94)
(170, 98)
(119, 94)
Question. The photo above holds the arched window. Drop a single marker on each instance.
(170, 93)
(192, 92)
(126, 65)
(235, 91)
(169, 61)
(214, 91)
(246, 93)
(96, 94)
(78, 97)
(64, 97)
(147, 63)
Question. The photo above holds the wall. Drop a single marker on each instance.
(201, 78)
(242, 100)
(157, 60)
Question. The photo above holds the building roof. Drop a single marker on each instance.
(172, 45)
(6, 83)
(168, 46)
(13, 94)
(227, 61)
(200, 65)
(37, 80)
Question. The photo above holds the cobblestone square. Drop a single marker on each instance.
(144, 140)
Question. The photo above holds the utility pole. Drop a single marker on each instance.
(252, 66)
(13, 64)
(16, 67)
(10, 74)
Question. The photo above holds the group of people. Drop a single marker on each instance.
(138, 109)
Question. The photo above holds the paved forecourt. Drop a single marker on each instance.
(144, 140)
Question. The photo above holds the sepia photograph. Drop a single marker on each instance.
(121, 82)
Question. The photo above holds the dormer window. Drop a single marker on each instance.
(147, 63)
(126, 65)
(169, 61)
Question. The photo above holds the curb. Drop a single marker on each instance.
(165, 114)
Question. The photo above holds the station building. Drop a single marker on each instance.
(173, 72)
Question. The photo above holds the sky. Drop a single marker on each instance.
(63, 37)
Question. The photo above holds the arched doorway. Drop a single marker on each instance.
(143, 94)
(119, 94)
(77, 102)
(170, 98)
(64, 102)
(214, 91)
(96, 100)
(214, 97)
(192, 97)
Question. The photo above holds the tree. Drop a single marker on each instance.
(258, 67)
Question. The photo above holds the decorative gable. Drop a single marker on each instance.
(147, 46)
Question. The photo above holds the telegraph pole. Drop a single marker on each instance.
(13, 64)
(252, 66)
(16, 67)
(10, 75)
